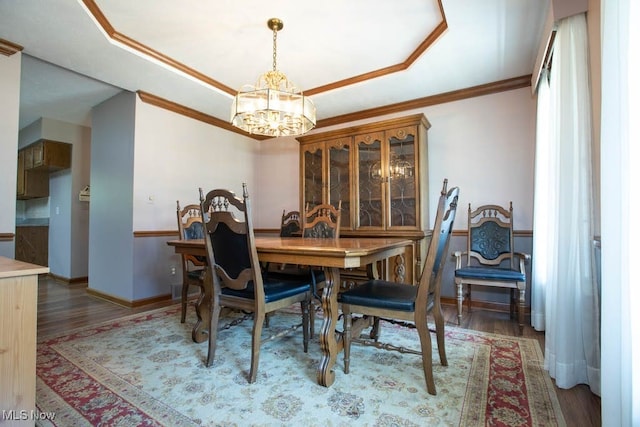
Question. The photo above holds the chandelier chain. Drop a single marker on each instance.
(275, 37)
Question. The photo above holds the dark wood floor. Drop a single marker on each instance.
(62, 307)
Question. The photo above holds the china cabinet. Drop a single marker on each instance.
(379, 172)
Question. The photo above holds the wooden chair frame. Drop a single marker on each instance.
(322, 221)
(290, 223)
(490, 258)
(379, 299)
(192, 267)
(235, 282)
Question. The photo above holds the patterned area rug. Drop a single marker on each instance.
(144, 370)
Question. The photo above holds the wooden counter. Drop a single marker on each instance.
(18, 312)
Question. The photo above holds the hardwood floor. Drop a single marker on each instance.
(63, 307)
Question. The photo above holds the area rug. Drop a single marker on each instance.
(144, 370)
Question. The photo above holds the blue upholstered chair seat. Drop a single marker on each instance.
(315, 275)
(491, 273)
(275, 289)
(381, 294)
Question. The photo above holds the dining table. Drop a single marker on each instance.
(330, 254)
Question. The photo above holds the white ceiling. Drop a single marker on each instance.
(227, 43)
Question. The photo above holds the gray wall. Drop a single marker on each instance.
(111, 219)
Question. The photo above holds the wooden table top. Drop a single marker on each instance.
(344, 252)
(13, 268)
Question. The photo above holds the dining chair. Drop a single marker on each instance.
(290, 224)
(190, 227)
(322, 221)
(406, 304)
(289, 227)
(490, 259)
(234, 274)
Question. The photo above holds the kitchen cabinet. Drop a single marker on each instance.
(31, 183)
(36, 184)
(20, 180)
(32, 244)
(50, 155)
(380, 173)
(35, 162)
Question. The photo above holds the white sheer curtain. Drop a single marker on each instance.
(620, 142)
(544, 201)
(565, 299)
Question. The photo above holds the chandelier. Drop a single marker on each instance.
(274, 106)
(399, 167)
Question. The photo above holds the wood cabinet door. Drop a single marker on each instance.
(312, 173)
(36, 184)
(38, 154)
(370, 180)
(20, 178)
(339, 156)
(28, 158)
(402, 189)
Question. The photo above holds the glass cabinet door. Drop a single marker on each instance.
(338, 178)
(402, 177)
(312, 173)
(371, 176)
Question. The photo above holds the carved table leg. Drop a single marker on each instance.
(200, 331)
(328, 342)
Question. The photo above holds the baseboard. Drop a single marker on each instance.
(176, 292)
(128, 303)
(68, 280)
(483, 305)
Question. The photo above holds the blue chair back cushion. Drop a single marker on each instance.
(320, 230)
(290, 229)
(194, 231)
(490, 273)
(490, 240)
(230, 250)
(231, 253)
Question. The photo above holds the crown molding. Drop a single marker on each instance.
(142, 49)
(438, 31)
(456, 95)
(194, 114)
(7, 48)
